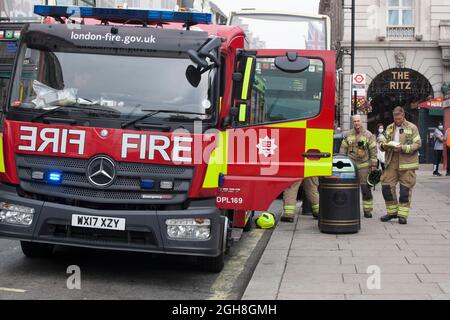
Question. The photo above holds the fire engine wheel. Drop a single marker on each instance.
(36, 250)
(212, 264)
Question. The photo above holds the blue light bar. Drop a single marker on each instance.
(147, 184)
(54, 176)
(123, 15)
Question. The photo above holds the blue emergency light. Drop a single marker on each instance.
(123, 15)
(54, 176)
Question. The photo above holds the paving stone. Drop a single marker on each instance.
(320, 253)
(388, 297)
(374, 260)
(313, 261)
(314, 245)
(429, 260)
(445, 287)
(366, 246)
(293, 276)
(324, 268)
(407, 230)
(280, 240)
(440, 296)
(433, 252)
(438, 268)
(417, 236)
(383, 253)
(322, 288)
(435, 277)
(404, 288)
(393, 268)
(289, 296)
(385, 277)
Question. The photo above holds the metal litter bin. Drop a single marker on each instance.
(339, 198)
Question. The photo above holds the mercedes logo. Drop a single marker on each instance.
(101, 171)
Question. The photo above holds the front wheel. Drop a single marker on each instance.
(212, 264)
(36, 249)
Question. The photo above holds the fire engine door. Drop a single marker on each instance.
(283, 125)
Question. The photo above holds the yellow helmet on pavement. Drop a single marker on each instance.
(266, 220)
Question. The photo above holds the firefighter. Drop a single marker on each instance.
(402, 143)
(311, 189)
(290, 202)
(361, 146)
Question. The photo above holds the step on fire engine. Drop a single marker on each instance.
(154, 131)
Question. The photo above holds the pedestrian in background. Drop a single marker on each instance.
(360, 145)
(401, 143)
(438, 138)
(380, 153)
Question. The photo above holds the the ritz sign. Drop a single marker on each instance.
(401, 80)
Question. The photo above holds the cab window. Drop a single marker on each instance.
(278, 96)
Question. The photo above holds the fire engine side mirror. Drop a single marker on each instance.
(193, 75)
(195, 57)
(292, 63)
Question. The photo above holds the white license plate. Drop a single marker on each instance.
(98, 222)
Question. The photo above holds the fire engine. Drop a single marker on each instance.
(154, 131)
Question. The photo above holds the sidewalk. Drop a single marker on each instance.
(301, 263)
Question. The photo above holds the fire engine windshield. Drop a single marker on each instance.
(130, 85)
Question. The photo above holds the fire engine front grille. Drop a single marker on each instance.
(104, 236)
(125, 189)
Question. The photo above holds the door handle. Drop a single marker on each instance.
(317, 155)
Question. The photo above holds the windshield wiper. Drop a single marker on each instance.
(81, 107)
(154, 112)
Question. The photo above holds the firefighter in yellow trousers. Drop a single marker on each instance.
(360, 145)
(402, 143)
(311, 189)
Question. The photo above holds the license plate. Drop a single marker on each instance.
(98, 222)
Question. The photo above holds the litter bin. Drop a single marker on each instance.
(339, 198)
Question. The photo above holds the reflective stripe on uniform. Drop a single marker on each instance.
(373, 145)
(368, 204)
(217, 162)
(403, 212)
(363, 165)
(315, 208)
(2, 160)
(392, 209)
(289, 210)
(416, 139)
(407, 166)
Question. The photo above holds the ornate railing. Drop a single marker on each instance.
(400, 32)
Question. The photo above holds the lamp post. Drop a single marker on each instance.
(353, 94)
(353, 55)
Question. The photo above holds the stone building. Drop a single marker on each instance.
(403, 46)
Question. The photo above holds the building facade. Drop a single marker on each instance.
(403, 46)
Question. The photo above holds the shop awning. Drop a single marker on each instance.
(432, 104)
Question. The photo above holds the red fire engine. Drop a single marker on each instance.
(154, 131)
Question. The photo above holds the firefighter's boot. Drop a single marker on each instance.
(388, 217)
(290, 202)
